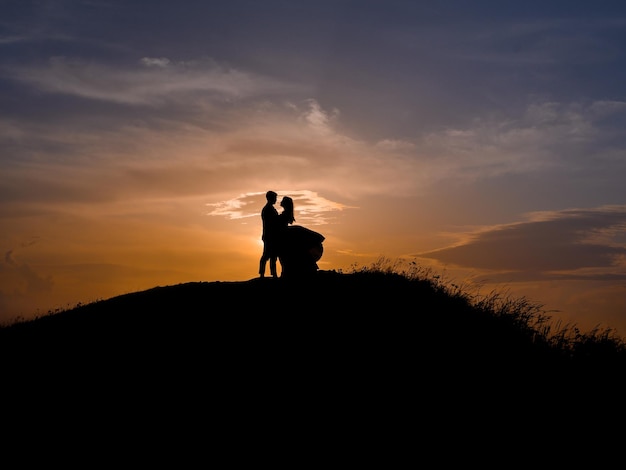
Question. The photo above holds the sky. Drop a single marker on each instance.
(483, 141)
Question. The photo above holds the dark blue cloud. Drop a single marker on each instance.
(561, 242)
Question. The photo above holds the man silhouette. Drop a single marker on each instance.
(269, 217)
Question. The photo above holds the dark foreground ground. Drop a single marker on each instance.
(358, 355)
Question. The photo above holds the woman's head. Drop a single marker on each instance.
(286, 203)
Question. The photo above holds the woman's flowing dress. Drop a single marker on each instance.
(300, 249)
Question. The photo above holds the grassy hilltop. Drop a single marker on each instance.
(367, 353)
(378, 311)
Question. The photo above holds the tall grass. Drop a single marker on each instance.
(526, 317)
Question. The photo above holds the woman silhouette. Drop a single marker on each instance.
(299, 248)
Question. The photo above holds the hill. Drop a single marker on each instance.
(362, 350)
(384, 317)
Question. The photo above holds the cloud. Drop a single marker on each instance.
(310, 207)
(318, 119)
(291, 144)
(155, 62)
(574, 243)
(153, 81)
(395, 145)
(561, 138)
(12, 39)
(221, 129)
(30, 282)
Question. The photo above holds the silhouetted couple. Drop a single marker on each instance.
(297, 248)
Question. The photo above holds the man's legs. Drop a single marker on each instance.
(272, 266)
(262, 264)
(268, 254)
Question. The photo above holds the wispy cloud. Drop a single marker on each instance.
(12, 39)
(292, 144)
(151, 81)
(318, 119)
(29, 281)
(310, 207)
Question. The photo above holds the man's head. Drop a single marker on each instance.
(271, 196)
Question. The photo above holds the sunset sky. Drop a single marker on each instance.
(483, 140)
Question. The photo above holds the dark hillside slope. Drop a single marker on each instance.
(371, 353)
(368, 319)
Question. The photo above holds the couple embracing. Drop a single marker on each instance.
(297, 248)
